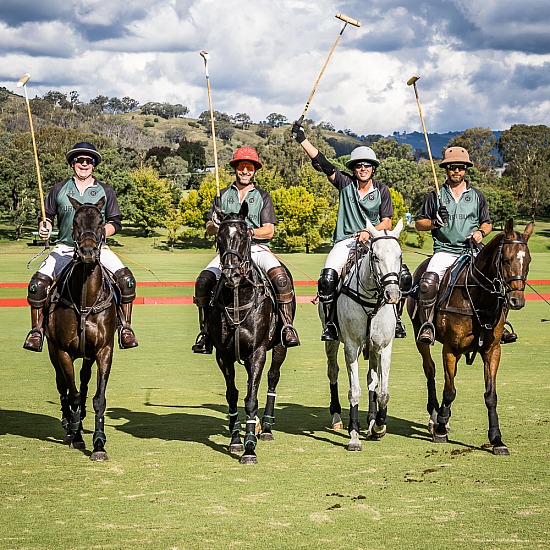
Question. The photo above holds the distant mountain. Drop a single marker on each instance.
(438, 142)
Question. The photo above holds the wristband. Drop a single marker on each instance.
(482, 232)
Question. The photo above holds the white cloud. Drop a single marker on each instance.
(481, 62)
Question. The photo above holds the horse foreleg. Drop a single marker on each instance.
(377, 379)
(491, 363)
(227, 367)
(429, 372)
(85, 375)
(351, 353)
(441, 425)
(331, 351)
(268, 419)
(254, 367)
(104, 360)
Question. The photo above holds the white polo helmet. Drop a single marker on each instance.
(362, 153)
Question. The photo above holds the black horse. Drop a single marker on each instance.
(81, 322)
(469, 319)
(244, 325)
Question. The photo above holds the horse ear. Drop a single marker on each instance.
(370, 228)
(74, 202)
(509, 227)
(398, 228)
(244, 210)
(101, 203)
(529, 230)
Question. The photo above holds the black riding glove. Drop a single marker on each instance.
(298, 132)
(441, 217)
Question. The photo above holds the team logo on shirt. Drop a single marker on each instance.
(93, 193)
(467, 198)
(251, 200)
(230, 200)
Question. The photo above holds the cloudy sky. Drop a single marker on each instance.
(482, 63)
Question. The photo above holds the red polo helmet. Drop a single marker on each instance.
(246, 153)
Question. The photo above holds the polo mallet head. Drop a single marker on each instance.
(347, 19)
(412, 80)
(205, 55)
(23, 80)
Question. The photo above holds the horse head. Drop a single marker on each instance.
(385, 261)
(514, 262)
(233, 242)
(88, 230)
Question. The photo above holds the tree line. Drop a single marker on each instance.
(166, 185)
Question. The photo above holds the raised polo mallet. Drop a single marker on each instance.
(206, 57)
(346, 21)
(22, 82)
(412, 81)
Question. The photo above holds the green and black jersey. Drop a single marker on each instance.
(260, 207)
(353, 211)
(57, 204)
(465, 216)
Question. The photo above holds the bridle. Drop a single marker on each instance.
(87, 236)
(238, 261)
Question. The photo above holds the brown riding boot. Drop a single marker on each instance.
(126, 337)
(285, 293)
(427, 297)
(205, 283)
(35, 337)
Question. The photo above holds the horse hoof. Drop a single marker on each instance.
(67, 439)
(249, 459)
(267, 436)
(77, 445)
(501, 450)
(99, 456)
(338, 426)
(439, 438)
(236, 448)
(355, 446)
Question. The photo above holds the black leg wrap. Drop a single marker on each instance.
(354, 419)
(335, 406)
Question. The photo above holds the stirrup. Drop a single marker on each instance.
(400, 331)
(422, 338)
(330, 333)
(134, 344)
(291, 342)
(28, 346)
(508, 336)
(202, 344)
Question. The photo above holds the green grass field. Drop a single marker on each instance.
(171, 484)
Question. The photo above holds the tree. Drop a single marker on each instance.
(399, 211)
(153, 199)
(129, 104)
(192, 152)
(480, 144)
(403, 176)
(389, 147)
(502, 205)
(526, 150)
(300, 217)
(99, 103)
(243, 120)
(275, 119)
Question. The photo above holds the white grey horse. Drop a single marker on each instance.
(366, 317)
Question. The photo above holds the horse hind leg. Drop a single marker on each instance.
(377, 417)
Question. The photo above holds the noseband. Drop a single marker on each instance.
(390, 278)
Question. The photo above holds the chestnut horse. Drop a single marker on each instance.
(81, 321)
(244, 325)
(469, 319)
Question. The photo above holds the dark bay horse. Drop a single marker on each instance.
(81, 322)
(367, 317)
(469, 319)
(244, 325)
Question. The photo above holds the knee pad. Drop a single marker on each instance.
(405, 279)
(127, 285)
(203, 287)
(280, 281)
(326, 286)
(429, 284)
(37, 291)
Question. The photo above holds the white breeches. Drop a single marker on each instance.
(260, 254)
(339, 254)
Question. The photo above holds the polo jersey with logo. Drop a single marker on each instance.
(260, 207)
(353, 211)
(465, 217)
(58, 204)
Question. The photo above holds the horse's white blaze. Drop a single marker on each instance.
(521, 256)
